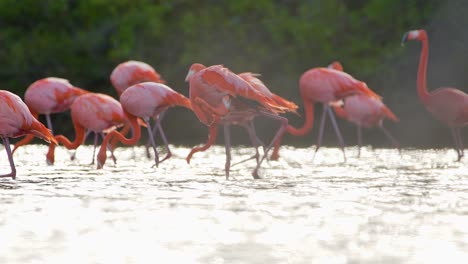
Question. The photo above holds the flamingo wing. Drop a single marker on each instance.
(223, 80)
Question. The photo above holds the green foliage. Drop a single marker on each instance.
(84, 40)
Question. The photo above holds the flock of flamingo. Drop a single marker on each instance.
(218, 96)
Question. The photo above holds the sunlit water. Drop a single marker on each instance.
(381, 208)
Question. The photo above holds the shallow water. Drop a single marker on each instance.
(381, 208)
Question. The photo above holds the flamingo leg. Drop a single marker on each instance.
(153, 143)
(227, 145)
(163, 137)
(457, 140)
(12, 174)
(94, 147)
(279, 132)
(49, 123)
(155, 132)
(337, 130)
(256, 142)
(359, 139)
(460, 142)
(392, 139)
(321, 129)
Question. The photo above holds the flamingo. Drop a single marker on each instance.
(145, 100)
(16, 120)
(96, 112)
(446, 104)
(221, 97)
(257, 84)
(132, 72)
(48, 96)
(325, 86)
(364, 111)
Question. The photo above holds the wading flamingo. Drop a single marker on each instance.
(364, 111)
(16, 120)
(133, 72)
(257, 84)
(326, 86)
(144, 100)
(95, 112)
(448, 105)
(221, 97)
(48, 96)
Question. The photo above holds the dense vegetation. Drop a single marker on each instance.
(84, 40)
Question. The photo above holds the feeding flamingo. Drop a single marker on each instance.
(96, 112)
(145, 100)
(221, 97)
(325, 86)
(364, 111)
(48, 96)
(446, 104)
(16, 120)
(133, 72)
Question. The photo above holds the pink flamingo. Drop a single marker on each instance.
(221, 97)
(48, 96)
(133, 72)
(16, 120)
(326, 86)
(145, 100)
(93, 111)
(448, 105)
(364, 111)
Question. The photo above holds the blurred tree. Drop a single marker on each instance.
(84, 40)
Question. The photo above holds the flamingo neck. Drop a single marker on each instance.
(422, 69)
(79, 137)
(136, 135)
(118, 136)
(308, 123)
(213, 133)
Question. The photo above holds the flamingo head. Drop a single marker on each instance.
(336, 65)
(196, 67)
(418, 34)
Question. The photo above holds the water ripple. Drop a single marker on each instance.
(385, 207)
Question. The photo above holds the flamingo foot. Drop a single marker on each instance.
(255, 174)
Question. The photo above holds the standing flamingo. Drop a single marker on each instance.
(448, 105)
(48, 96)
(364, 111)
(323, 85)
(257, 84)
(132, 72)
(221, 97)
(145, 100)
(16, 120)
(93, 111)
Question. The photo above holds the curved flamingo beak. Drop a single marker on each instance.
(404, 39)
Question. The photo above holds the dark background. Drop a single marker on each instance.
(84, 40)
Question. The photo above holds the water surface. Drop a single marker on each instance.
(381, 208)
